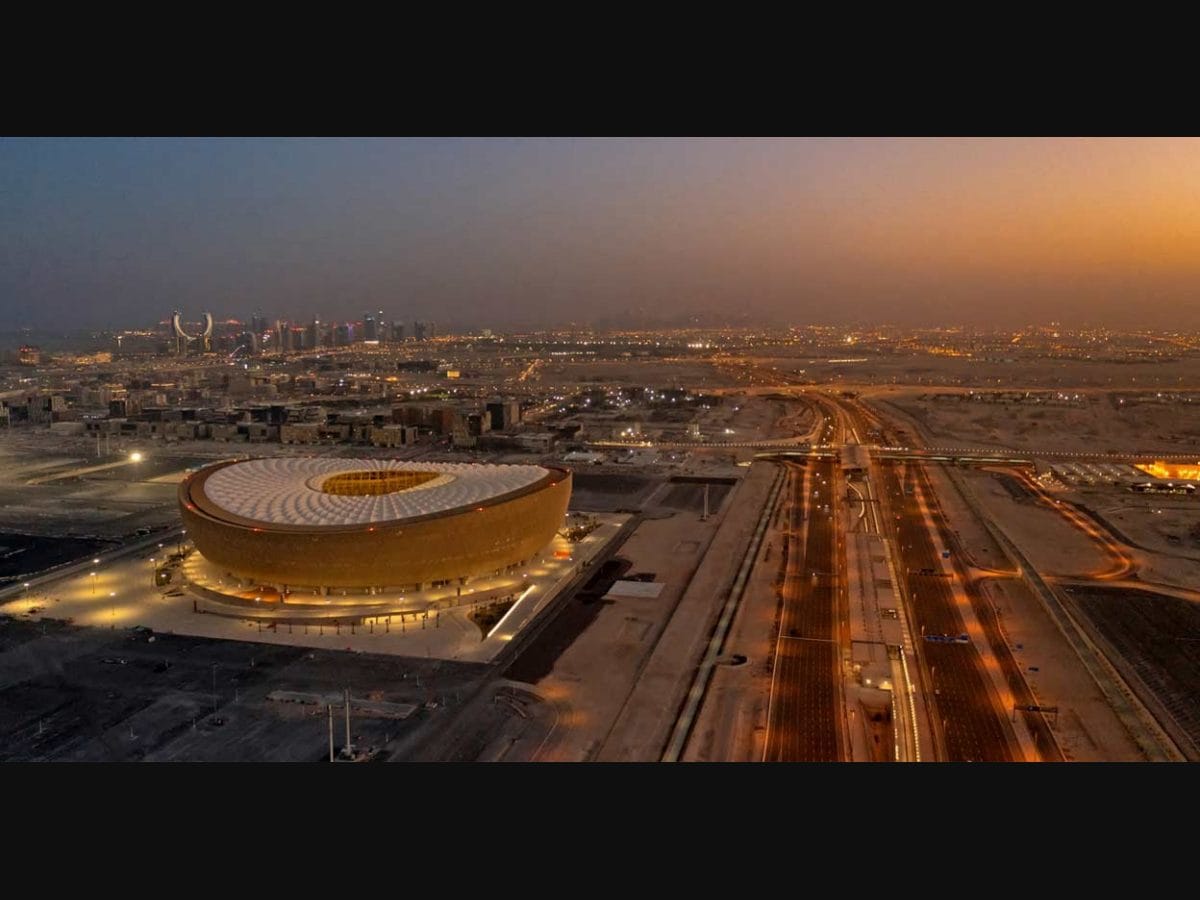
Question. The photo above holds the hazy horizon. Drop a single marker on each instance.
(519, 233)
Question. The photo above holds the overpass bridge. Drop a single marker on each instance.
(796, 448)
(855, 459)
(848, 453)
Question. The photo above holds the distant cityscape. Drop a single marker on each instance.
(266, 380)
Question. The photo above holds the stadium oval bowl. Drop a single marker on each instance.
(371, 523)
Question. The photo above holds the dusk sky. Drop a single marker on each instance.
(499, 233)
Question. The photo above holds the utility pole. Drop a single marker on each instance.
(331, 732)
(704, 518)
(349, 747)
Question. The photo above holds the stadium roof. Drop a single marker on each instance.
(288, 491)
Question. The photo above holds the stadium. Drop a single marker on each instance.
(369, 525)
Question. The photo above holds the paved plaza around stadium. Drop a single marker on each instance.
(121, 595)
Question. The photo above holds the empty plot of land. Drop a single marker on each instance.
(108, 503)
(696, 374)
(1053, 544)
(537, 660)
(597, 492)
(152, 468)
(19, 468)
(1091, 421)
(1168, 525)
(69, 693)
(688, 496)
(24, 554)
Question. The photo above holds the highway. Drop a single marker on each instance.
(803, 717)
(956, 652)
(969, 684)
(968, 718)
(985, 613)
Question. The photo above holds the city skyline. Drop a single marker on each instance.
(512, 233)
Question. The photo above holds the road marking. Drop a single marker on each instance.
(804, 479)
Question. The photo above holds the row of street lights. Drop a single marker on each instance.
(112, 603)
(94, 574)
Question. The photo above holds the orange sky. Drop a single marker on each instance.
(523, 232)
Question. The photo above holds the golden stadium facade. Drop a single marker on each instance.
(371, 524)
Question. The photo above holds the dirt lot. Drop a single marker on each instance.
(596, 492)
(1094, 422)
(24, 554)
(854, 367)
(1052, 544)
(685, 374)
(70, 693)
(1168, 525)
(689, 496)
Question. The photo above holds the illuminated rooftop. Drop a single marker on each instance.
(339, 491)
(1172, 471)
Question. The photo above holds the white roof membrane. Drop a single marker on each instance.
(286, 491)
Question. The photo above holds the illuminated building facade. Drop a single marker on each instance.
(371, 524)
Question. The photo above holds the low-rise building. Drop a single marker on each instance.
(393, 436)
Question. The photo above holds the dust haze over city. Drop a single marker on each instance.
(600, 450)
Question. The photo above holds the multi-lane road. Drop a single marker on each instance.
(962, 699)
(968, 717)
(804, 708)
(966, 698)
(967, 680)
(1021, 696)
(968, 714)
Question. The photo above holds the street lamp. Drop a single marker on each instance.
(153, 573)
(112, 610)
(93, 575)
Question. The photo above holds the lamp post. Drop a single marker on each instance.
(153, 573)
(93, 576)
(112, 610)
